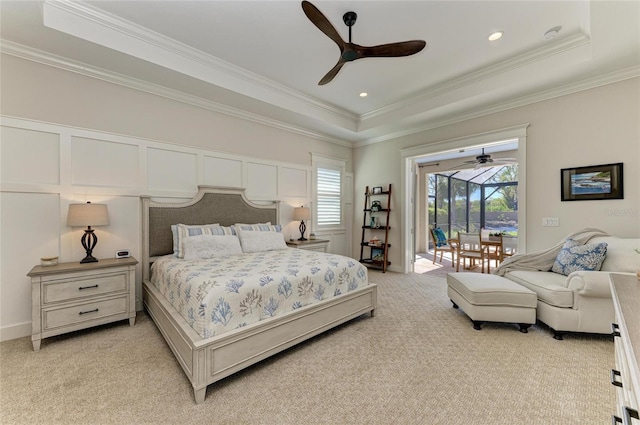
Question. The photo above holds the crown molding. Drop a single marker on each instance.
(48, 59)
(570, 88)
(567, 43)
(99, 26)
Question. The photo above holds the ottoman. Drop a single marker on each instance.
(491, 298)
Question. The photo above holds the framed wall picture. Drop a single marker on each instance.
(592, 182)
(376, 190)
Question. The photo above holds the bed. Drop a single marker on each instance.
(205, 351)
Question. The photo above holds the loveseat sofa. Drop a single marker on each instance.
(581, 301)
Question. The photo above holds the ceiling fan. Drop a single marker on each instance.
(350, 51)
(485, 160)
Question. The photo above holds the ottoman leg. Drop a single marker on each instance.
(454, 304)
(476, 325)
(524, 327)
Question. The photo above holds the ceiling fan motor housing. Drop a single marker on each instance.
(349, 18)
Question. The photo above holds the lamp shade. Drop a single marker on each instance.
(301, 213)
(88, 214)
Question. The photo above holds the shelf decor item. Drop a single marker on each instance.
(376, 190)
(302, 214)
(88, 214)
(376, 206)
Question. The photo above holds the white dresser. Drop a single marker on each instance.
(72, 296)
(625, 289)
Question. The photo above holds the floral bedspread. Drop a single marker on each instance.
(221, 294)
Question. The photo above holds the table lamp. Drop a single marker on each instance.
(88, 214)
(302, 214)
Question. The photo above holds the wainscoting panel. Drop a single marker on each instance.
(29, 156)
(170, 170)
(103, 163)
(30, 229)
(262, 181)
(222, 172)
(294, 183)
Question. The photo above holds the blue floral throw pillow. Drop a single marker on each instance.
(576, 257)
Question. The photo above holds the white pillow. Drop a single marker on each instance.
(177, 240)
(184, 231)
(211, 246)
(261, 241)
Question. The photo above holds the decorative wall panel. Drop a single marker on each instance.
(293, 183)
(29, 156)
(262, 181)
(222, 172)
(103, 163)
(172, 170)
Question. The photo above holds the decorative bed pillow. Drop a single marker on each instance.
(211, 246)
(260, 227)
(577, 257)
(253, 241)
(184, 231)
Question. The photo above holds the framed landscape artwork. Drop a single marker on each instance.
(592, 182)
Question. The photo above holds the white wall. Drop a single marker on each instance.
(66, 138)
(596, 126)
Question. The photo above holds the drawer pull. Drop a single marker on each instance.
(628, 414)
(87, 287)
(615, 329)
(614, 381)
(95, 310)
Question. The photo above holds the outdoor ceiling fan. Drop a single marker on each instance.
(350, 51)
(485, 160)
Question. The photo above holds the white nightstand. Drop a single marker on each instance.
(72, 296)
(311, 244)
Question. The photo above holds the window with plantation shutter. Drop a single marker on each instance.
(328, 197)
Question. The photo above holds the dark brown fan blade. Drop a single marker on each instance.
(331, 74)
(403, 48)
(323, 24)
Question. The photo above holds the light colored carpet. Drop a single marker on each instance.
(418, 361)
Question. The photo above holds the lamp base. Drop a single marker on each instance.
(89, 241)
(89, 259)
(302, 228)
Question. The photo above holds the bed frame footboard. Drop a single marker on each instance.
(206, 361)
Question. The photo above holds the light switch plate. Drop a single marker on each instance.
(550, 222)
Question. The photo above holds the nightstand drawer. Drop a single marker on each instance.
(58, 317)
(86, 286)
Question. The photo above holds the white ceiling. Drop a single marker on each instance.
(263, 59)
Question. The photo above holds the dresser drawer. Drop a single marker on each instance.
(86, 286)
(59, 317)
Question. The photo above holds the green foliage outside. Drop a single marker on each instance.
(503, 199)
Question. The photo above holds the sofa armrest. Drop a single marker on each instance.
(590, 284)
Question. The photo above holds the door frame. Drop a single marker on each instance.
(408, 158)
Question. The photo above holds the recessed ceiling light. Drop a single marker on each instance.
(364, 94)
(495, 35)
(552, 33)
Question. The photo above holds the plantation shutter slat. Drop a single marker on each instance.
(329, 184)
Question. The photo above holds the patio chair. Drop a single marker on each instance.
(494, 251)
(470, 246)
(509, 246)
(442, 245)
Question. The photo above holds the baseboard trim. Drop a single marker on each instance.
(19, 330)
